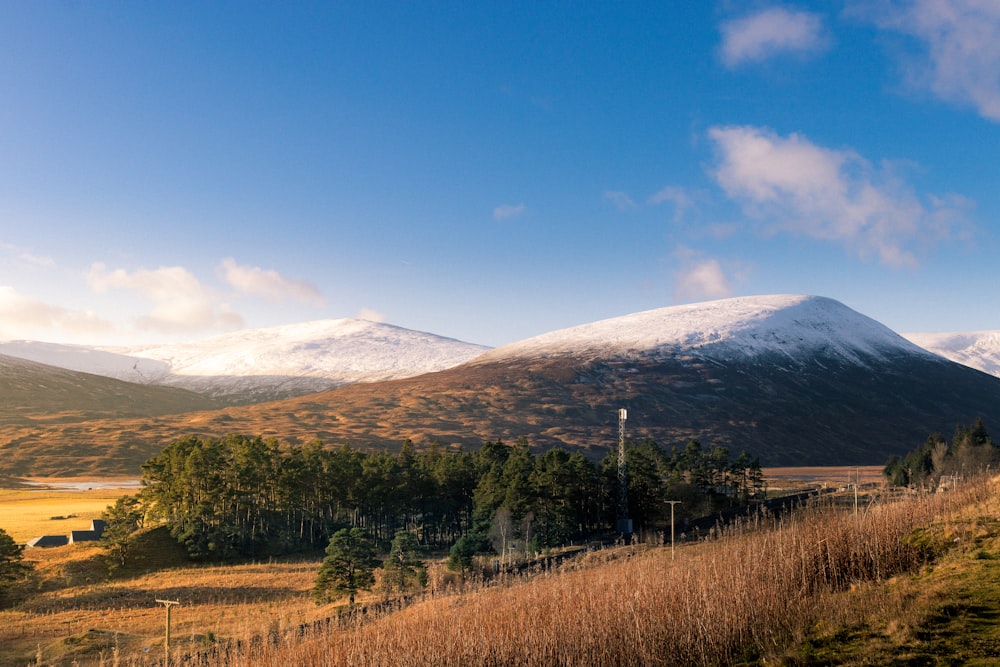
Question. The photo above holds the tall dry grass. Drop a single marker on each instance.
(740, 598)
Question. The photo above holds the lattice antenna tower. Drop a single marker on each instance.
(624, 522)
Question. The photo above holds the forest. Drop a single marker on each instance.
(239, 496)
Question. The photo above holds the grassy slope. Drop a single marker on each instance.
(946, 614)
(46, 412)
(943, 613)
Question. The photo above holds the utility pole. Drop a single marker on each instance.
(672, 503)
(857, 482)
(166, 638)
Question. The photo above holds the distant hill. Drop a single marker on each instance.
(796, 380)
(977, 349)
(255, 365)
(38, 393)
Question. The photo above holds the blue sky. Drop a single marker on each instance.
(492, 171)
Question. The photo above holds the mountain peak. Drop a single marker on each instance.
(976, 349)
(740, 327)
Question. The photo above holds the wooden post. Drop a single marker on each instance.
(166, 638)
(672, 503)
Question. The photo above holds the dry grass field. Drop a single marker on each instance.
(830, 476)
(916, 578)
(28, 513)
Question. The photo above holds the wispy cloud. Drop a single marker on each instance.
(682, 199)
(699, 277)
(268, 284)
(25, 317)
(621, 200)
(180, 303)
(27, 256)
(958, 47)
(770, 33)
(507, 211)
(829, 194)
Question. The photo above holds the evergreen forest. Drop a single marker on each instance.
(239, 496)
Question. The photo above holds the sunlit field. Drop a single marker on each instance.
(28, 513)
(754, 592)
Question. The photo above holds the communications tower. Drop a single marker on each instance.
(623, 524)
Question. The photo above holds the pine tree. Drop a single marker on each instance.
(121, 520)
(349, 566)
(404, 567)
(12, 568)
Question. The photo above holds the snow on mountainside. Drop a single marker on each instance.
(977, 349)
(265, 363)
(794, 326)
(89, 360)
(344, 350)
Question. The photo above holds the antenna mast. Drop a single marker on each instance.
(624, 523)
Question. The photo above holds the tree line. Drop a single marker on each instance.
(970, 451)
(240, 496)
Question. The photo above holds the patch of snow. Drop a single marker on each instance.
(976, 349)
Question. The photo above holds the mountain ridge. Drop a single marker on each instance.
(268, 363)
(795, 380)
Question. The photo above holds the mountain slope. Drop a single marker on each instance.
(36, 393)
(263, 364)
(977, 349)
(795, 380)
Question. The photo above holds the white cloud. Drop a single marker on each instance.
(770, 33)
(699, 278)
(958, 58)
(621, 200)
(268, 283)
(180, 303)
(25, 317)
(828, 194)
(508, 211)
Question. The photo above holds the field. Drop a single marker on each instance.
(908, 582)
(28, 513)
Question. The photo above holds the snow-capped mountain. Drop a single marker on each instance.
(795, 380)
(266, 363)
(791, 326)
(977, 349)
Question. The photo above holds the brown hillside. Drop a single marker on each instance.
(816, 411)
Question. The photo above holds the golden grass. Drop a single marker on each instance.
(28, 513)
(740, 600)
(816, 579)
(77, 600)
(832, 476)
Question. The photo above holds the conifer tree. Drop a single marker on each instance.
(404, 567)
(349, 566)
(12, 568)
(121, 520)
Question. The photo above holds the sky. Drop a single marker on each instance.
(491, 171)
